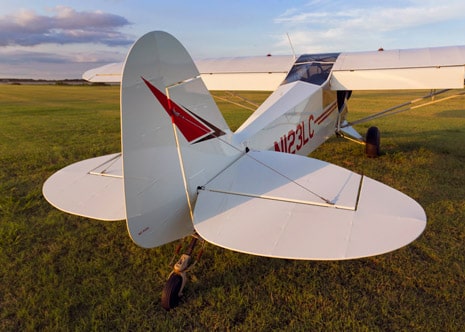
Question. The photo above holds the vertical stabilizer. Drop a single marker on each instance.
(174, 139)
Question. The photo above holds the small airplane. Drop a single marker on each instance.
(182, 172)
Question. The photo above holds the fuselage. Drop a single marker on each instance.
(300, 115)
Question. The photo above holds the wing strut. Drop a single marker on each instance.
(245, 101)
(406, 106)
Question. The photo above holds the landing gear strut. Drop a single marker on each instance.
(177, 279)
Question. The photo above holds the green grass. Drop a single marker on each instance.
(61, 272)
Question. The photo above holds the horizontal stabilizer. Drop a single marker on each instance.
(91, 188)
(288, 206)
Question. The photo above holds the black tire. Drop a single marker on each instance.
(372, 141)
(170, 293)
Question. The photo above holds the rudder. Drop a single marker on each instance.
(173, 139)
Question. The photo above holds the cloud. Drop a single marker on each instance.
(361, 24)
(27, 63)
(64, 26)
(22, 56)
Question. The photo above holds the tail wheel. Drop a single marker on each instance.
(170, 295)
(372, 141)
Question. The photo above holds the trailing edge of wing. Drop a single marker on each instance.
(288, 206)
(91, 188)
(424, 68)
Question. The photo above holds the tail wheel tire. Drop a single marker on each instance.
(372, 140)
(170, 294)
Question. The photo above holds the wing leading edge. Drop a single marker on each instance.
(288, 206)
(422, 68)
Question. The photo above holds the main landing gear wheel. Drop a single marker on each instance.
(171, 292)
(372, 142)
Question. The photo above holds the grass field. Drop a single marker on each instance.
(60, 272)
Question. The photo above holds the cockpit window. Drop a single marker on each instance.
(312, 68)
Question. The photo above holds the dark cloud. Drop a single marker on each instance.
(64, 26)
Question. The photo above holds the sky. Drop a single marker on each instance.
(52, 39)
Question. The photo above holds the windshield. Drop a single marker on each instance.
(311, 68)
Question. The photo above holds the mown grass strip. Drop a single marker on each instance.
(61, 272)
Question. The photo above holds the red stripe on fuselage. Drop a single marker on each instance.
(326, 113)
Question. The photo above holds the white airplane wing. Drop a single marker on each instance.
(424, 68)
(259, 73)
(110, 73)
(289, 206)
(255, 73)
(91, 188)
